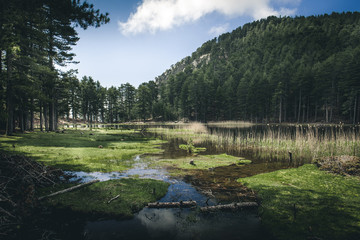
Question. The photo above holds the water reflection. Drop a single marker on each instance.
(180, 224)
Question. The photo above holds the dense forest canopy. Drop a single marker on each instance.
(301, 69)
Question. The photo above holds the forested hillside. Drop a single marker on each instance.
(301, 69)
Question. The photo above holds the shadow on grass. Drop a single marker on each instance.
(73, 139)
(302, 214)
(308, 203)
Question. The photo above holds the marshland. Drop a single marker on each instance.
(212, 164)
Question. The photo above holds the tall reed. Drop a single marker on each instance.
(304, 142)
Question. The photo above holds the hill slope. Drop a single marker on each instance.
(276, 69)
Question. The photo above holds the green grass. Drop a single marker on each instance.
(203, 161)
(93, 199)
(78, 150)
(327, 206)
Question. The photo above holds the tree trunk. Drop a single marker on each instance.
(280, 108)
(41, 116)
(21, 119)
(304, 108)
(308, 110)
(355, 107)
(51, 120)
(299, 110)
(284, 111)
(9, 96)
(26, 120)
(46, 117)
(326, 113)
(90, 122)
(32, 115)
(295, 109)
(55, 115)
(331, 113)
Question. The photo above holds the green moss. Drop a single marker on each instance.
(203, 161)
(306, 202)
(134, 194)
(80, 150)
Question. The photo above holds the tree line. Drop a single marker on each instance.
(88, 101)
(279, 69)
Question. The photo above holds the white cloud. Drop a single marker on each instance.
(217, 30)
(156, 15)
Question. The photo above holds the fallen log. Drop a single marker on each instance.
(68, 189)
(232, 206)
(181, 204)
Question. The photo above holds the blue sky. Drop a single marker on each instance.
(145, 37)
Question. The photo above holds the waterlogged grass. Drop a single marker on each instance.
(202, 162)
(80, 150)
(306, 203)
(95, 199)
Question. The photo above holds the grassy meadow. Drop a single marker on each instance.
(82, 150)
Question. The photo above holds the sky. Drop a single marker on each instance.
(145, 37)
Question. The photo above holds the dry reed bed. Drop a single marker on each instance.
(310, 141)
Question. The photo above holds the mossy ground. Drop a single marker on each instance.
(82, 150)
(202, 162)
(93, 199)
(307, 203)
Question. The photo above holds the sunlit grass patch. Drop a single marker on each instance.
(203, 161)
(80, 150)
(100, 198)
(306, 202)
